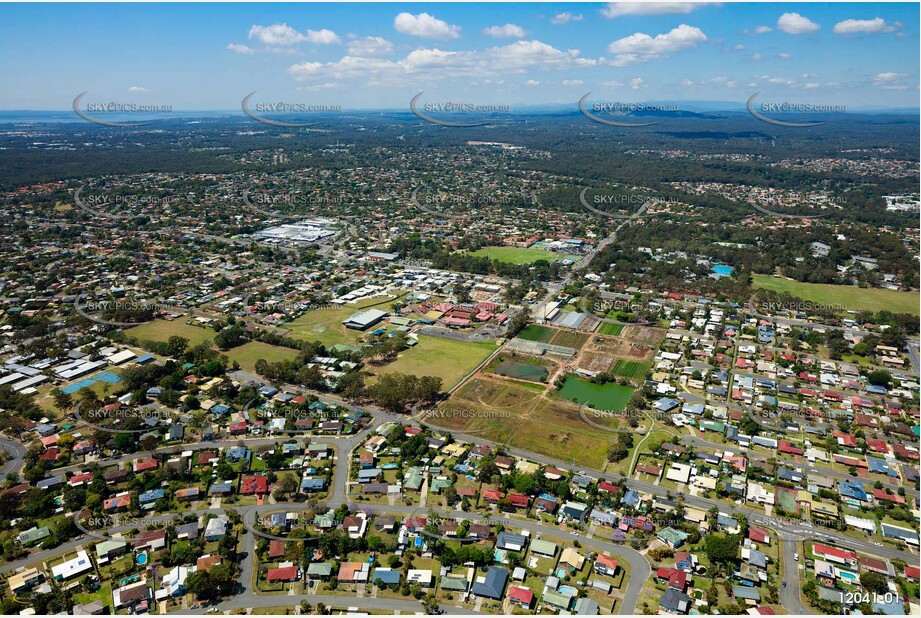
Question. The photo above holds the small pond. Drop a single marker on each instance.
(522, 371)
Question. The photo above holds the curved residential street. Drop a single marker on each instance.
(789, 535)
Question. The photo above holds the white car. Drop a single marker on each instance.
(795, 557)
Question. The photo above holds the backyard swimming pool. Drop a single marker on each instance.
(569, 589)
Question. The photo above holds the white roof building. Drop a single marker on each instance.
(121, 357)
(72, 568)
(680, 473)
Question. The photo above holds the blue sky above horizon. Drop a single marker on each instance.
(208, 56)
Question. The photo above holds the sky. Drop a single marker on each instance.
(373, 56)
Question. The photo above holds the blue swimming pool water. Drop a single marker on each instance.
(722, 270)
(142, 559)
(570, 589)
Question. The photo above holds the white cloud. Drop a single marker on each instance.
(276, 34)
(532, 82)
(370, 46)
(573, 82)
(794, 23)
(640, 47)
(514, 58)
(890, 81)
(721, 80)
(508, 31)
(759, 30)
(241, 49)
(888, 77)
(756, 56)
(305, 69)
(323, 86)
(422, 59)
(854, 26)
(619, 9)
(425, 26)
(780, 81)
(817, 85)
(138, 89)
(738, 47)
(685, 83)
(561, 19)
(523, 54)
(637, 82)
(322, 37)
(784, 56)
(613, 84)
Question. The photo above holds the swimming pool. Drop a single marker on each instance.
(568, 589)
(141, 558)
(722, 270)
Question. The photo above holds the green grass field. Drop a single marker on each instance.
(851, 297)
(248, 354)
(519, 255)
(443, 358)
(162, 330)
(607, 328)
(325, 324)
(534, 332)
(630, 369)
